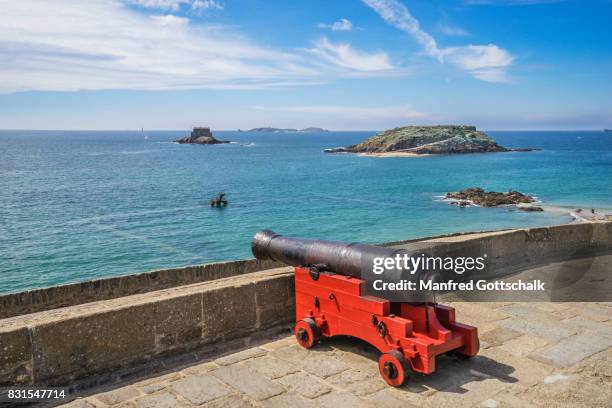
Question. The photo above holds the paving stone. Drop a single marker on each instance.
(528, 310)
(154, 384)
(572, 350)
(509, 397)
(477, 313)
(598, 328)
(343, 399)
(509, 369)
(524, 345)
(358, 382)
(117, 396)
(469, 394)
(592, 311)
(270, 366)
(289, 400)
(229, 401)
(550, 307)
(275, 345)
(350, 376)
(499, 336)
(79, 403)
(241, 355)
(450, 373)
(199, 389)
(248, 381)
(314, 362)
(575, 391)
(360, 360)
(387, 398)
(597, 366)
(162, 400)
(304, 384)
(550, 330)
(154, 387)
(200, 368)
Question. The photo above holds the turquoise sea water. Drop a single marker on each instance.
(83, 205)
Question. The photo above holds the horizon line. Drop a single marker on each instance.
(599, 129)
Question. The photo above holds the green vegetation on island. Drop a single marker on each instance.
(426, 140)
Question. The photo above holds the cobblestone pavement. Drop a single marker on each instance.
(532, 354)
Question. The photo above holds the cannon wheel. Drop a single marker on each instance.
(393, 368)
(307, 333)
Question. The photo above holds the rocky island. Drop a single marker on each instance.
(200, 135)
(478, 196)
(426, 140)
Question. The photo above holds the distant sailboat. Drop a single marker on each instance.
(145, 136)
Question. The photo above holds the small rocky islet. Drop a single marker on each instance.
(200, 135)
(480, 197)
(426, 140)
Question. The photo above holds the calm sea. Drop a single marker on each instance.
(83, 205)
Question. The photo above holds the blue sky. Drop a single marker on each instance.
(346, 65)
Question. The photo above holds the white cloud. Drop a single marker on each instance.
(175, 5)
(483, 62)
(452, 31)
(341, 25)
(103, 44)
(344, 56)
(355, 112)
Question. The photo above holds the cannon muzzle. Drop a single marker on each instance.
(338, 257)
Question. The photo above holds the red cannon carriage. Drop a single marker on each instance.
(329, 302)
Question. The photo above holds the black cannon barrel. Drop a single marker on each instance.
(339, 257)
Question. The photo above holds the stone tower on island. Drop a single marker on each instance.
(200, 135)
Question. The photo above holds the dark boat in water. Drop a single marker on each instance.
(607, 130)
(219, 200)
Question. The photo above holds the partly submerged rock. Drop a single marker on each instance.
(530, 208)
(200, 135)
(483, 198)
(441, 139)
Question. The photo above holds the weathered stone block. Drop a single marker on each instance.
(117, 396)
(344, 399)
(228, 312)
(270, 367)
(499, 336)
(275, 300)
(162, 400)
(15, 357)
(248, 382)
(199, 389)
(230, 401)
(541, 328)
(290, 400)
(85, 345)
(572, 350)
(304, 384)
(315, 362)
(241, 355)
(523, 345)
(178, 322)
